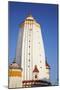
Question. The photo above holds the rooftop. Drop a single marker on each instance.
(35, 69)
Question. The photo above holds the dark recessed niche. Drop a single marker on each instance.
(28, 66)
(29, 60)
(35, 76)
(40, 67)
(29, 46)
(29, 53)
(40, 61)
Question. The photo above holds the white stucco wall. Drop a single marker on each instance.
(15, 82)
(47, 74)
(38, 52)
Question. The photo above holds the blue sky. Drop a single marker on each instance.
(46, 15)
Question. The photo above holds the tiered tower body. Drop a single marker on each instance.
(30, 49)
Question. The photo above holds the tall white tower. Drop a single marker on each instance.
(30, 54)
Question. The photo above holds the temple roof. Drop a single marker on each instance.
(30, 17)
(35, 69)
(14, 65)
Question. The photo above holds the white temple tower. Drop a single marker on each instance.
(30, 49)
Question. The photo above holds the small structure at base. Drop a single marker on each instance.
(35, 73)
(15, 76)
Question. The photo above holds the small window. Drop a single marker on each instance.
(35, 76)
(28, 66)
(29, 46)
(40, 67)
(29, 60)
(40, 61)
(29, 53)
